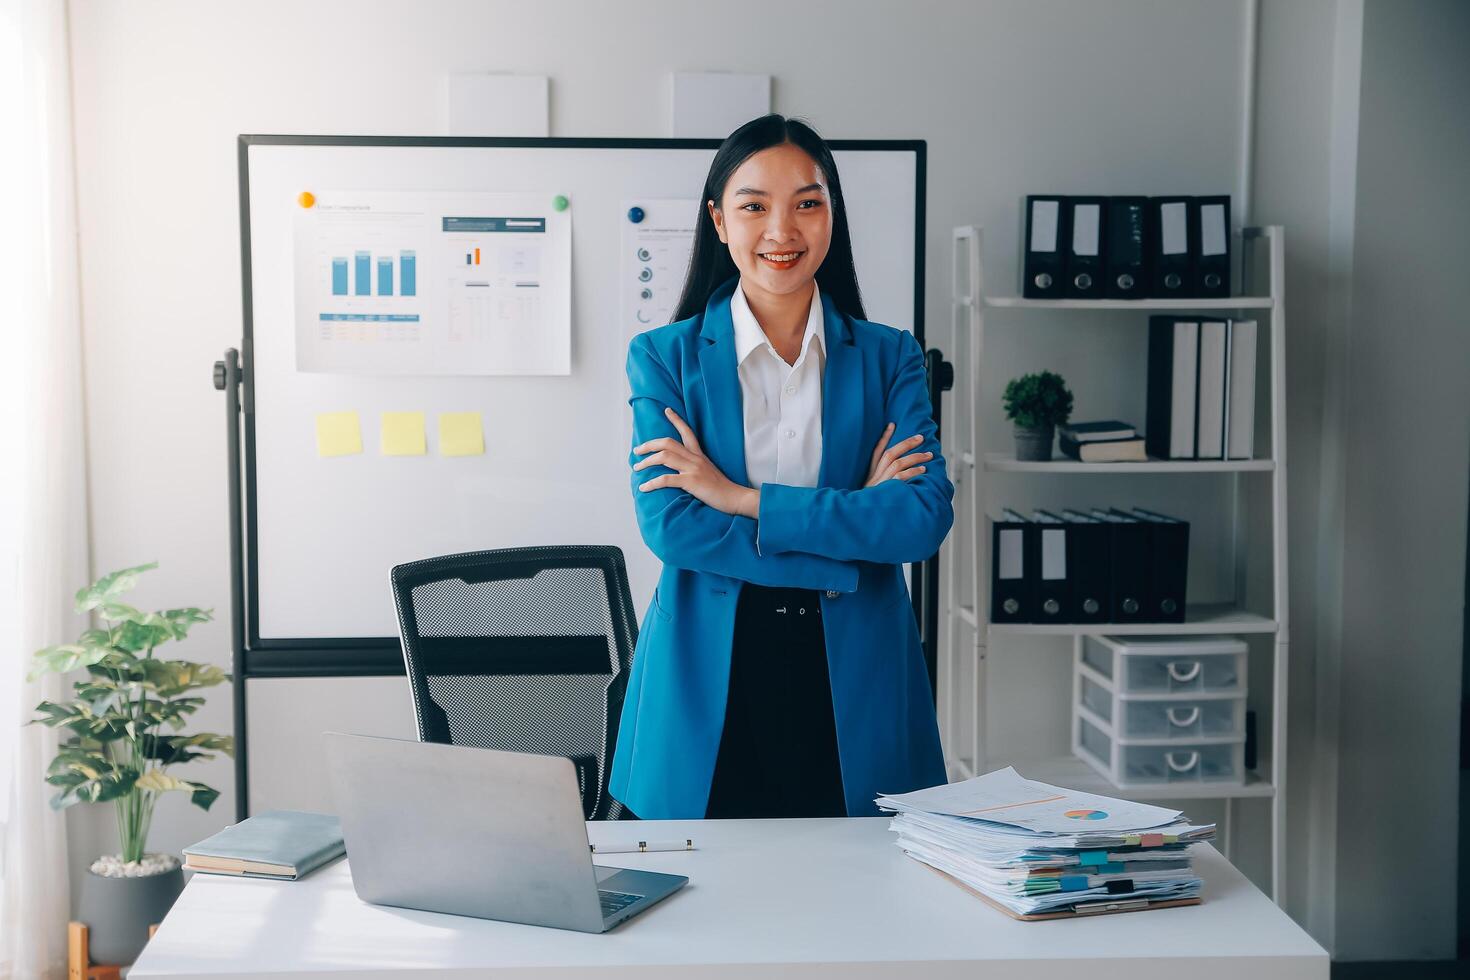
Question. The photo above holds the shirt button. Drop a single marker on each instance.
(791, 433)
(791, 389)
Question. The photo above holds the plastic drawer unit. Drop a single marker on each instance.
(1152, 710)
(1167, 664)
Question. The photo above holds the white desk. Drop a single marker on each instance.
(766, 898)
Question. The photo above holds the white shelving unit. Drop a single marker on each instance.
(976, 472)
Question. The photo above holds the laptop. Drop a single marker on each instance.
(495, 835)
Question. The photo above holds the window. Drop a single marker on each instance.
(24, 284)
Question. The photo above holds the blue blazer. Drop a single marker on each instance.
(847, 541)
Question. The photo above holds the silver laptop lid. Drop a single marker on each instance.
(470, 831)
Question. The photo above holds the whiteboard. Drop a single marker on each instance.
(323, 533)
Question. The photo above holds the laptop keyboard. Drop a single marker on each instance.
(614, 902)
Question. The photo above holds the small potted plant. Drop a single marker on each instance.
(114, 751)
(1037, 403)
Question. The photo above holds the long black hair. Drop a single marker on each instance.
(710, 264)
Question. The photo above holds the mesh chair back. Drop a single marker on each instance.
(524, 650)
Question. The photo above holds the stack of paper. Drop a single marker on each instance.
(1032, 848)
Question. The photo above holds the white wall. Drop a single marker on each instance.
(1306, 98)
(1408, 466)
(1013, 97)
(1360, 133)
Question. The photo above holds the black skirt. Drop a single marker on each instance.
(778, 754)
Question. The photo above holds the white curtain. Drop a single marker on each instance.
(43, 530)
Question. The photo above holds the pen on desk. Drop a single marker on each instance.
(687, 844)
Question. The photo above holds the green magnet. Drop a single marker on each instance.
(560, 202)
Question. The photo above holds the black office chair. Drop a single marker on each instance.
(525, 650)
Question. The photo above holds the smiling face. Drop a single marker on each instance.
(777, 220)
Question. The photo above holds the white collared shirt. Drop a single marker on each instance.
(782, 403)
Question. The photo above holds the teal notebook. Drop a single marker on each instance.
(277, 844)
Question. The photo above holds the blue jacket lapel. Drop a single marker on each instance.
(842, 404)
(723, 439)
(842, 395)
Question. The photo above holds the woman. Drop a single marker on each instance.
(779, 671)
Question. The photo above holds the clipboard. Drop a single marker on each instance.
(1083, 910)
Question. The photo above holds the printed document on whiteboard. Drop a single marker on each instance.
(655, 260)
(433, 283)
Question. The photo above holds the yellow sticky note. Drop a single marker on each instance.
(403, 434)
(460, 434)
(338, 434)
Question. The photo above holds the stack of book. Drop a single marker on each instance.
(1035, 851)
(1101, 442)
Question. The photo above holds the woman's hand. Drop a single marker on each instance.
(891, 464)
(694, 472)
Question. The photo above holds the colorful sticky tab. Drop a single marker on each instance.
(1131, 840)
(403, 434)
(461, 434)
(1086, 858)
(1151, 840)
(338, 434)
(1074, 883)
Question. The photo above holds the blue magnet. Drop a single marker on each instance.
(635, 215)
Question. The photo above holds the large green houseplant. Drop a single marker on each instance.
(123, 734)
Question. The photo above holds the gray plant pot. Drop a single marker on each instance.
(118, 912)
(1034, 445)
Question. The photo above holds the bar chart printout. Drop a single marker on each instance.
(509, 300)
(352, 296)
(383, 284)
(495, 299)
